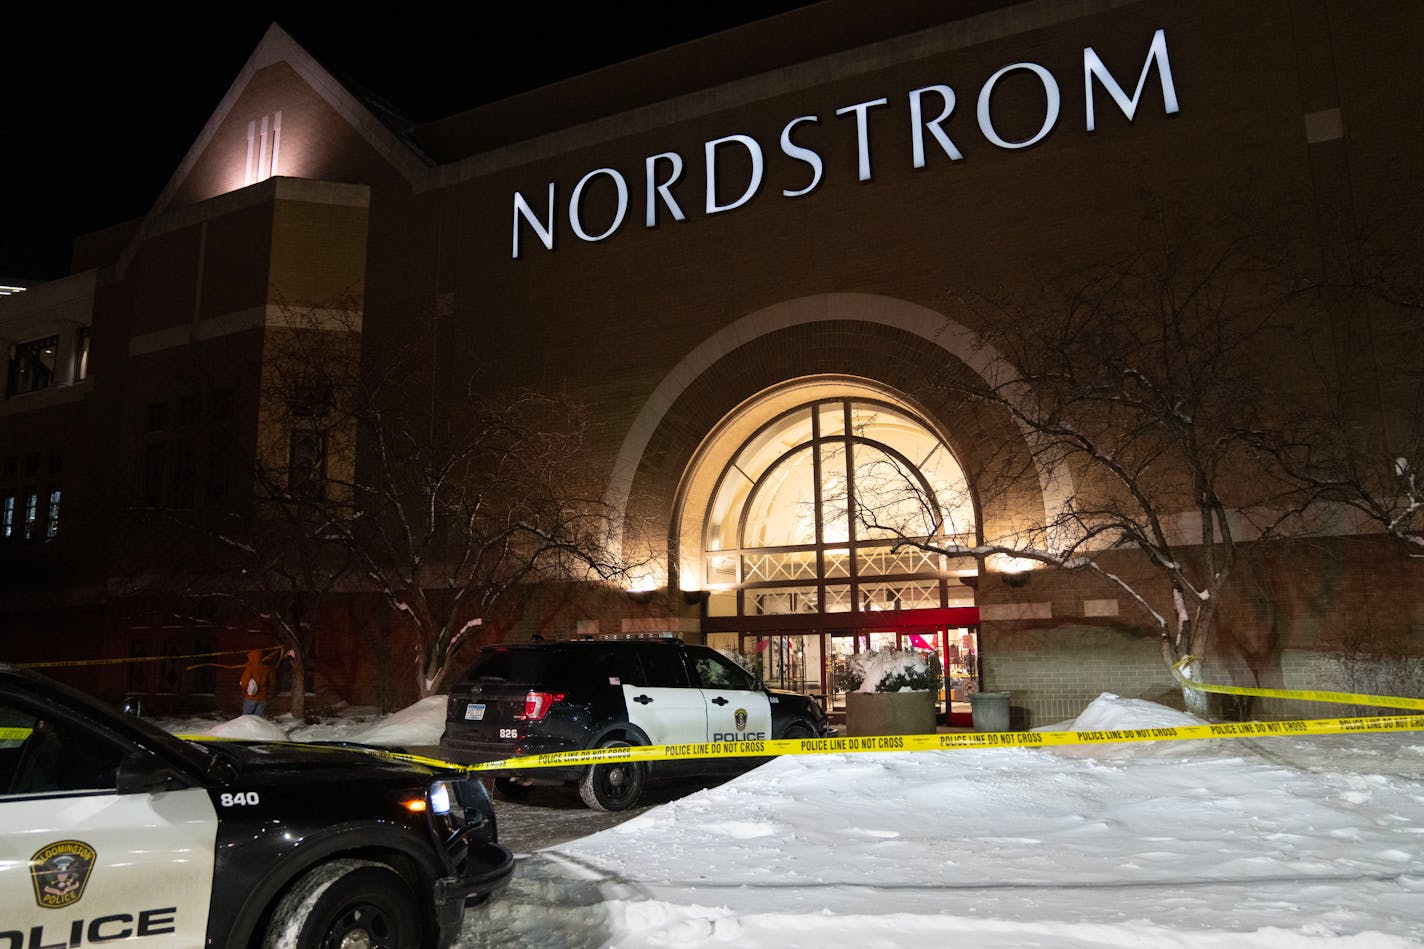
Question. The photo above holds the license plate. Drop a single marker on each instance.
(474, 712)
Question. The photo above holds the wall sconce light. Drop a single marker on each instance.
(641, 596)
(694, 597)
(1017, 579)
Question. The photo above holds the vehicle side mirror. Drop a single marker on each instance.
(132, 706)
(142, 772)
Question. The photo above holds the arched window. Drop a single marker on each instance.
(808, 516)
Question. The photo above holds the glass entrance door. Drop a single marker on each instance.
(961, 661)
(841, 646)
(791, 662)
(807, 662)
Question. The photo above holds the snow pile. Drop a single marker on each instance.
(418, 724)
(248, 727)
(1109, 712)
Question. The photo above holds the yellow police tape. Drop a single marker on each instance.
(945, 742)
(129, 659)
(937, 742)
(1335, 698)
(893, 743)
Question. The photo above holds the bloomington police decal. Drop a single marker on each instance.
(60, 872)
(741, 719)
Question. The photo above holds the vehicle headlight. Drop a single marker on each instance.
(440, 797)
(458, 807)
(445, 802)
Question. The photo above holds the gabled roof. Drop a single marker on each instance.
(277, 46)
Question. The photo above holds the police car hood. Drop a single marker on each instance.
(308, 760)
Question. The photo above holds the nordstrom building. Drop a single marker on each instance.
(753, 260)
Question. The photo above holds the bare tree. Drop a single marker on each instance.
(458, 505)
(1139, 381)
(364, 475)
(1357, 452)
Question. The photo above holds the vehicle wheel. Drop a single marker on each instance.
(798, 731)
(613, 787)
(346, 904)
(511, 789)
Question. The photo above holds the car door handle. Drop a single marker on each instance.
(642, 699)
(719, 701)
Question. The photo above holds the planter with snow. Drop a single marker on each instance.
(890, 692)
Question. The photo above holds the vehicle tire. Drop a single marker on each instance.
(613, 787)
(798, 730)
(511, 790)
(344, 903)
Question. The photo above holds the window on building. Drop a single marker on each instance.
(264, 147)
(32, 514)
(32, 365)
(81, 353)
(306, 465)
(202, 677)
(29, 512)
(312, 397)
(806, 517)
(185, 473)
(155, 472)
(158, 417)
(221, 410)
(188, 411)
(139, 667)
(170, 670)
(185, 456)
(218, 461)
(219, 465)
(52, 515)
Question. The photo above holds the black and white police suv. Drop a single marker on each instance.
(537, 698)
(113, 830)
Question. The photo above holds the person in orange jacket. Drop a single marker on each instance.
(256, 682)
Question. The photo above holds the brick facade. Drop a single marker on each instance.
(665, 332)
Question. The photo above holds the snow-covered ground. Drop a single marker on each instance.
(1279, 842)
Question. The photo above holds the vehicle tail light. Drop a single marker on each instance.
(537, 704)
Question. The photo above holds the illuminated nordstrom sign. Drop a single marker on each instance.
(930, 108)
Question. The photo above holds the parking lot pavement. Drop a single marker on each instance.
(546, 816)
(551, 815)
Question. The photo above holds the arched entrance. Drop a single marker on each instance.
(793, 518)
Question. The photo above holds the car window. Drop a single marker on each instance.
(715, 671)
(521, 665)
(605, 667)
(663, 667)
(40, 754)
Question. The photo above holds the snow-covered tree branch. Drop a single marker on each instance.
(1137, 380)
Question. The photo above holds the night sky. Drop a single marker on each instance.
(99, 108)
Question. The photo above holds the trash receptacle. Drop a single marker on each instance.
(989, 711)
